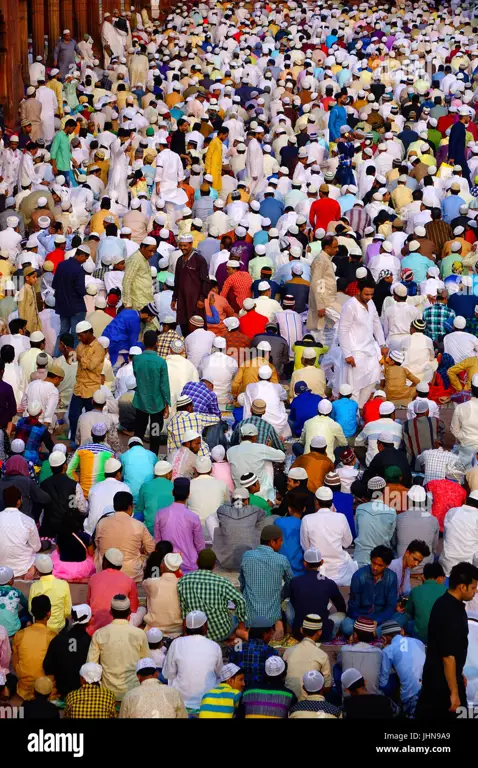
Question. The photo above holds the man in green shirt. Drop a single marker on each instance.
(422, 599)
(152, 396)
(155, 494)
(60, 151)
(253, 485)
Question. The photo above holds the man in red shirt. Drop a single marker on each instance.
(324, 210)
(252, 322)
(58, 253)
(103, 586)
(371, 409)
(237, 286)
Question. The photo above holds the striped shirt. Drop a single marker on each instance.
(87, 466)
(439, 232)
(267, 703)
(261, 576)
(290, 326)
(220, 702)
(421, 434)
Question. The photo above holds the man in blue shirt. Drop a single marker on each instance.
(312, 592)
(373, 591)
(407, 656)
(304, 406)
(70, 290)
(290, 527)
(344, 411)
(124, 330)
(337, 117)
(271, 208)
(451, 205)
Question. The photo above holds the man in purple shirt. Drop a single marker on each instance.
(8, 406)
(180, 526)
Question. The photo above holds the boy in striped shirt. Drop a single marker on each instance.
(223, 700)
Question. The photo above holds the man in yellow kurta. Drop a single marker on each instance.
(213, 159)
(57, 89)
(27, 305)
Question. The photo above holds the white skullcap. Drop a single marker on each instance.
(386, 408)
(196, 619)
(325, 407)
(265, 372)
(90, 671)
(459, 323)
(324, 493)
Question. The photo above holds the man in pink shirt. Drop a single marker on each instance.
(181, 526)
(221, 468)
(103, 586)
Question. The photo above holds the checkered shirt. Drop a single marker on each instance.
(435, 317)
(90, 701)
(204, 400)
(206, 591)
(164, 342)
(261, 576)
(437, 463)
(251, 657)
(267, 434)
(240, 284)
(184, 421)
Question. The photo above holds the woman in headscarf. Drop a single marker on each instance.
(382, 289)
(440, 386)
(33, 497)
(73, 557)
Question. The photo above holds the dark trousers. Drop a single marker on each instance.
(76, 406)
(68, 325)
(156, 425)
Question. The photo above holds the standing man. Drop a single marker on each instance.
(359, 329)
(323, 285)
(213, 159)
(64, 53)
(60, 151)
(457, 143)
(444, 686)
(90, 356)
(152, 397)
(137, 283)
(191, 284)
(70, 291)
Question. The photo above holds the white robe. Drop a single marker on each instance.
(113, 39)
(254, 164)
(359, 333)
(119, 169)
(274, 395)
(47, 98)
(169, 172)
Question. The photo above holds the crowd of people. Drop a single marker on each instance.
(239, 366)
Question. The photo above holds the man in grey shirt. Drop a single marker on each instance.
(417, 523)
(361, 655)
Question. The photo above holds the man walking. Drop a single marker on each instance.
(152, 397)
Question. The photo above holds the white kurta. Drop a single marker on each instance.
(360, 332)
(220, 370)
(119, 169)
(169, 172)
(254, 164)
(112, 39)
(274, 396)
(47, 98)
(329, 532)
(419, 355)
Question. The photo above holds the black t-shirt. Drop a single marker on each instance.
(71, 550)
(447, 636)
(369, 706)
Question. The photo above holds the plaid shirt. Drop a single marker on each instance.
(435, 317)
(204, 400)
(90, 701)
(206, 591)
(437, 463)
(251, 658)
(33, 434)
(472, 325)
(184, 421)
(261, 576)
(267, 434)
(164, 342)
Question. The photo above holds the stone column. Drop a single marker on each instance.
(38, 27)
(53, 13)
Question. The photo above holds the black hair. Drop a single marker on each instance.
(462, 573)
(16, 325)
(105, 203)
(70, 123)
(67, 339)
(150, 339)
(383, 552)
(122, 500)
(180, 492)
(419, 546)
(257, 633)
(11, 496)
(433, 571)
(7, 353)
(40, 606)
(360, 683)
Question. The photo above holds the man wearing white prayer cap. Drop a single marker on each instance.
(325, 427)
(331, 536)
(151, 699)
(91, 699)
(385, 424)
(459, 343)
(137, 285)
(274, 396)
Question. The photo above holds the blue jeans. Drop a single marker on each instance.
(67, 325)
(348, 624)
(76, 406)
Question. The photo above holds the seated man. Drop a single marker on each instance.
(361, 655)
(373, 591)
